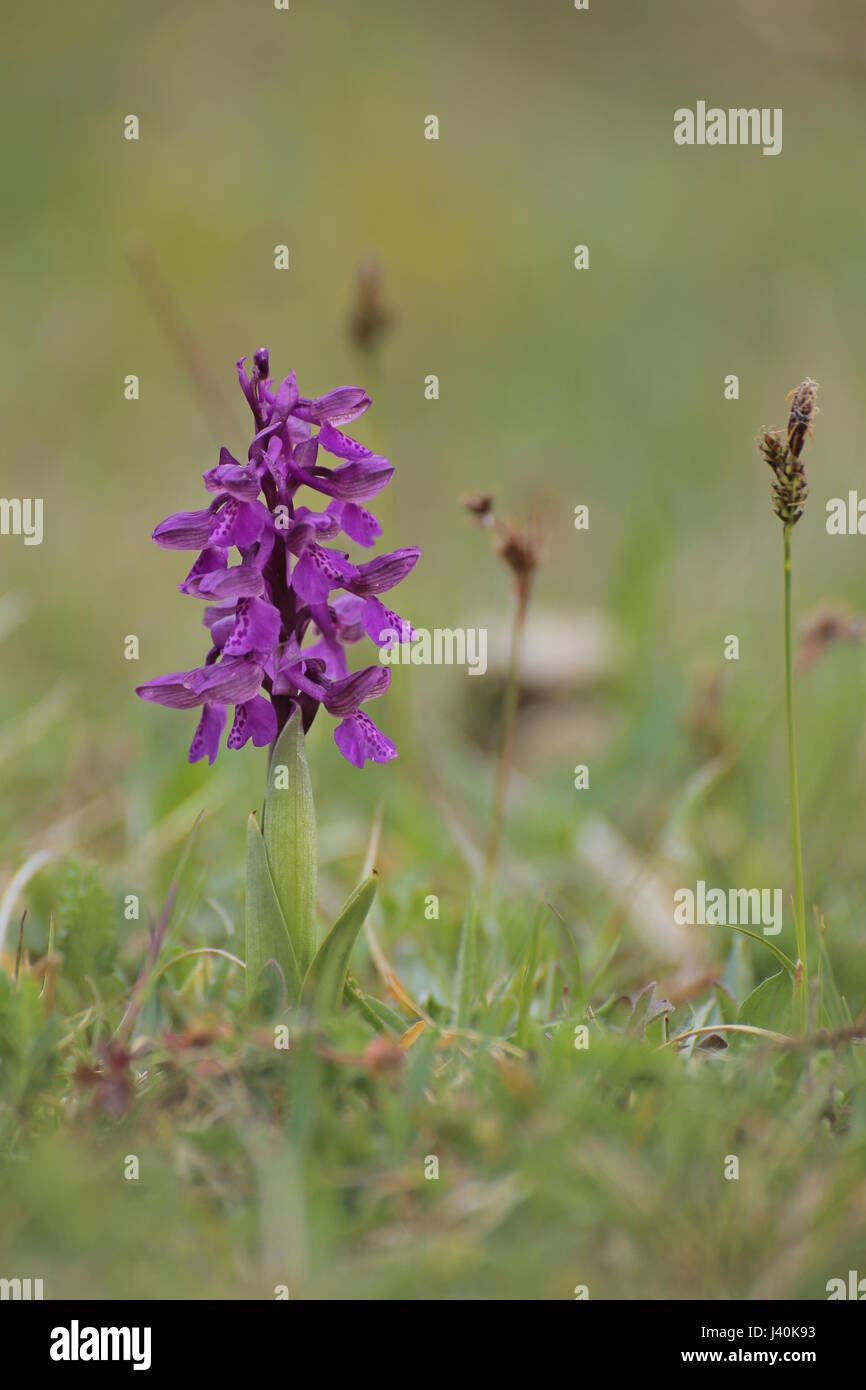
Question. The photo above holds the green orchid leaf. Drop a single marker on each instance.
(271, 996)
(323, 986)
(289, 829)
(267, 936)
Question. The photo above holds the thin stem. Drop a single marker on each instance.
(801, 979)
(506, 740)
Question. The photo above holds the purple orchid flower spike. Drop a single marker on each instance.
(284, 598)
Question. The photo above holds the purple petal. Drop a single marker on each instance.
(208, 562)
(206, 739)
(245, 384)
(295, 431)
(341, 446)
(359, 480)
(230, 681)
(358, 738)
(326, 524)
(384, 626)
(358, 524)
(337, 407)
(257, 556)
(348, 610)
(345, 696)
(304, 455)
(287, 655)
(222, 630)
(273, 458)
(386, 571)
(353, 482)
(218, 612)
(239, 523)
(170, 691)
(283, 405)
(184, 530)
(241, 581)
(332, 657)
(318, 571)
(286, 397)
(307, 675)
(356, 482)
(256, 627)
(299, 537)
(237, 479)
(254, 719)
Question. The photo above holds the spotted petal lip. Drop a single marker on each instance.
(319, 570)
(358, 739)
(359, 524)
(254, 719)
(341, 446)
(383, 626)
(238, 523)
(256, 627)
(206, 739)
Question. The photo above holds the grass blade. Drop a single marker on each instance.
(466, 982)
(527, 983)
(775, 950)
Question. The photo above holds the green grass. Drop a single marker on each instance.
(558, 1165)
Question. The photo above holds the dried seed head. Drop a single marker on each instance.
(704, 717)
(772, 448)
(519, 547)
(480, 504)
(790, 488)
(826, 627)
(803, 410)
(782, 449)
(519, 550)
(371, 315)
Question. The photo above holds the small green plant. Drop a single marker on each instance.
(782, 450)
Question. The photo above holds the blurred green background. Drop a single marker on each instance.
(558, 387)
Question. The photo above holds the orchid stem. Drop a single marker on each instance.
(801, 977)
